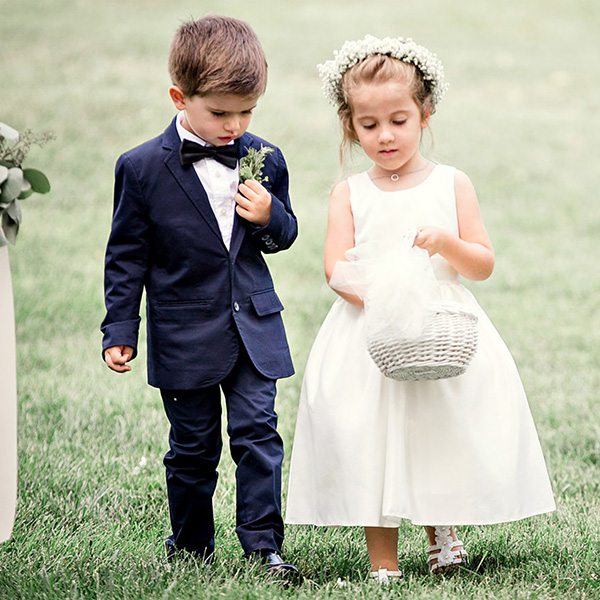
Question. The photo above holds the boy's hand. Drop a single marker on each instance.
(116, 358)
(431, 239)
(253, 202)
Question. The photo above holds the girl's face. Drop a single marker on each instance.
(388, 124)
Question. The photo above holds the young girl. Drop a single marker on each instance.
(370, 450)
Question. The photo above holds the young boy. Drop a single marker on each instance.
(185, 230)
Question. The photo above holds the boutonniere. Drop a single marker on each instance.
(252, 164)
(16, 182)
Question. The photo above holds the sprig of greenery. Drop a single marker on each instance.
(17, 183)
(252, 164)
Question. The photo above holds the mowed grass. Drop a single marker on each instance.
(520, 119)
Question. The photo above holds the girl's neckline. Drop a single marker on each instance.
(408, 189)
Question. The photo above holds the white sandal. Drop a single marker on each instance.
(447, 553)
(385, 577)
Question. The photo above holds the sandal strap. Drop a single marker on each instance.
(457, 546)
(456, 554)
(383, 575)
(446, 551)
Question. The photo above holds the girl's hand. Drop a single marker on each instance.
(253, 202)
(432, 239)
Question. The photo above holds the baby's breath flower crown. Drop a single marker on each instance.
(404, 49)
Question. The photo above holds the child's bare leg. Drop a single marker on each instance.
(382, 545)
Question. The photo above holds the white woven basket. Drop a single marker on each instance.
(444, 349)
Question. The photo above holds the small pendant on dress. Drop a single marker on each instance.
(394, 177)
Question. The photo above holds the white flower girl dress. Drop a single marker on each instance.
(371, 451)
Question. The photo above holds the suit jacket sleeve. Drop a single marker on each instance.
(281, 230)
(126, 260)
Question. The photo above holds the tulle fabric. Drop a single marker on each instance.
(396, 283)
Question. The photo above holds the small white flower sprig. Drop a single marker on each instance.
(404, 49)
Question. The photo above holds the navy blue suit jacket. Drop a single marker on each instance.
(200, 297)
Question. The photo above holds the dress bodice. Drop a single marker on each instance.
(380, 215)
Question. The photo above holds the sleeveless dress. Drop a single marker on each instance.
(369, 450)
(8, 401)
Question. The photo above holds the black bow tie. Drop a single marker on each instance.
(190, 152)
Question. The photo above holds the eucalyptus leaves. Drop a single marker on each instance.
(17, 183)
(252, 164)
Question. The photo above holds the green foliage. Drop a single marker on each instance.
(38, 181)
(17, 183)
(252, 164)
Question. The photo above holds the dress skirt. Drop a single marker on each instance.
(371, 451)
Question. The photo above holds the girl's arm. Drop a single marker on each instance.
(340, 234)
(471, 253)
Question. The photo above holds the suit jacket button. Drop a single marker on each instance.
(236, 307)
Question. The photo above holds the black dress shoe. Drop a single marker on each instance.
(173, 552)
(275, 565)
(170, 549)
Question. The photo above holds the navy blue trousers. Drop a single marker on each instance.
(195, 449)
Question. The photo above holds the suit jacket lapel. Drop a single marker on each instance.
(188, 180)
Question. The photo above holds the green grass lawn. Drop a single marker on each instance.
(520, 118)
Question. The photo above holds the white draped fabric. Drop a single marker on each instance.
(8, 401)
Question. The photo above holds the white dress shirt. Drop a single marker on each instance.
(220, 182)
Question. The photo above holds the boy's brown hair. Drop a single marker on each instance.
(217, 55)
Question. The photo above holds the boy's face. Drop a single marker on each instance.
(216, 118)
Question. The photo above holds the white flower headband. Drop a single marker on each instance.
(404, 49)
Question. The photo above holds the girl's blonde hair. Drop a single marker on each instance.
(380, 68)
